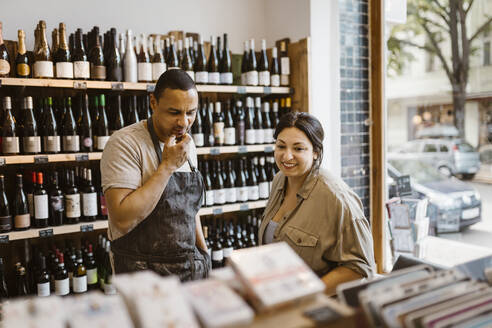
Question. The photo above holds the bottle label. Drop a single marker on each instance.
(253, 193)
(259, 136)
(231, 195)
(62, 287)
(227, 252)
(285, 65)
(275, 80)
(81, 70)
(30, 201)
(32, 144)
(209, 198)
(98, 72)
(268, 135)
(43, 68)
(157, 70)
(41, 207)
(230, 136)
(144, 72)
(226, 78)
(92, 276)
(213, 77)
(101, 142)
(64, 70)
(264, 190)
(252, 78)
(56, 203)
(198, 139)
(86, 142)
(89, 204)
(219, 133)
(284, 79)
(217, 256)
(250, 136)
(10, 145)
(201, 77)
(71, 143)
(191, 74)
(240, 132)
(23, 70)
(244, 79)
(219, 196)
(80, 284)
(44, 289)
(4, 67)
(72, 204)
(264, 77)
(104, 208)
(51, 144)
(6, 222)
(242, 194)
(22, 221)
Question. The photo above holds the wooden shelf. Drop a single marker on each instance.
(99, 225)
(268, 148)
(49, 158)
(121, 86)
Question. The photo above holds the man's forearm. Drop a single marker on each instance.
(337, 276)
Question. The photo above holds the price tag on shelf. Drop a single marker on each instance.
(4, 239)
(267, 90)
(40, 159)
(215, 151)
(217, 211)
(80, 85)
(2, 161)
(241, 90)
(244, 207)
(46, 233)
(150, 87)
(242, 149)
(268, 149)
(82, 157)
(87, 227)
(118, 86)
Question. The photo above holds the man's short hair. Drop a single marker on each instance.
(176, 79)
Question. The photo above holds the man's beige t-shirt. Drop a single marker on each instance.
(129, 160)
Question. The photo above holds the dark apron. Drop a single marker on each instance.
(164, 242)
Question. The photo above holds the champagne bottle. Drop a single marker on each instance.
(43, 66)
(4, 56)
(62, 57)
(22, 219)
(197, 130)
(229, 129)
(5, 216)
(72, 200)
(31, 141)
(187, 63)
(10, 138)
(42, 278)
(84, 126)
(244, 64)
(51, 139)
(249, 122)
(172, 60)
(41, 209)
(89, 199)
(144, 67)
(81, 66)
(55, 42)
(242, 190)
(62, 283)
(22, 68)
(113, 59)
(79, 275)
(201, 73)
(263, 69)
(219, 135)
(225, 64)
(284, 65)
(274, 69)
(130, 60)
(240, 124)
(213, 64)
(102, 129)
(117, 122)
(252, 72)
(70, 137)
(97, 59)
(158, 62)
(258, 123)
(57, 202)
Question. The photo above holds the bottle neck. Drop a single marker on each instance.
(22, 44)
(63, 40)
(43, 41)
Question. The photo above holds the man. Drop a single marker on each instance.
(152, 187)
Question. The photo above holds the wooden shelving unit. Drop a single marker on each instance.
(267, 148)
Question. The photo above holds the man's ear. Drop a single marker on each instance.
(153, 102)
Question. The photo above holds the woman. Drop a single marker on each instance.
(314, 212)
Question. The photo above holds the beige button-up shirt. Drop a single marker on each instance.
(327, 228)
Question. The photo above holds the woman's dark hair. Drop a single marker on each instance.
(176, 79)
(309, 125)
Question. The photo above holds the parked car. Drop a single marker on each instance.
(449, 156)
(448, 196)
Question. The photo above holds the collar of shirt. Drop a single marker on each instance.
(306, 188)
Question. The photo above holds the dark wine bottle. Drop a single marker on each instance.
(229, 128)
(240, 124)
(252, 72)
(244, 64)
(42, 278)
(72, 200)
(5, 216)
(263, 69)
(70, 137)
(91, 268)
(218, 185)
(201, 73)
(62, 283)
(226, 64)
(217, 251)
(158, 62)
(274, 69)
(250, 130)
(258, 123)
(144, 66)
(51, 139)
(22, 68)
(21, 281)
(113, 59)
(284, 65)
(213, 64)
(267, 124)
(102, 128)
(62, 56)
(187, 62)
(229, 185)
(219, 135)
(81, 67)
(4, 56)
(117, 122)
(31, 141)
(10, 138)
(133, 112)
(263, 182)
(253, 189)
(84, 126)
(172, 60)
(209, 190)
(197, 130)
(96, 58)
(209, 125)
(22, 219)
(242, 189)
(41, 208)
(79, 275)
(89, 199)
(57, 202)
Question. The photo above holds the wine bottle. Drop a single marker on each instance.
(284, 65)
(267, 124)
(70, 137)
(274, 69)
(244, 64)
(201, 73)
(172, 60)
(42, 278)
(122, 45)
(22, 219)
(217, 252)
(209, 125)
(274, 116)
(102, 129)
(219, 135)
(258, 123)
(250, 131)
(81, 66)
(219, 49)
(263, 69)
(158, 62)
(113, 59)
(21, 281)
(84, 126)
(252, 72)
(55, 42)
(72, 200)
(22, 68)
(5, 216)
(229, 128)
(180, 53)
(263, 182)
(4, 292)
(89, 199)
(79, 275)
(62, 57)
(97, 59)
(144, 67)
(253, 189)
(227, 244)
(209, 191)
(218, 185)
(225, 64)
(207, 240)
(10, 138)
(57, 202)
(31, 141)
(242, 189)
(229, 185)
(109, 288)
(192, 49)
(213, 64)
(4, 56)
(130, 60)
(133, 112)
(197, 130)
(117, 122)
(41, 208)
(187, 63)
(91, 268)
(240, 124)
(62, 283)
(166, 48)
(51, 139)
